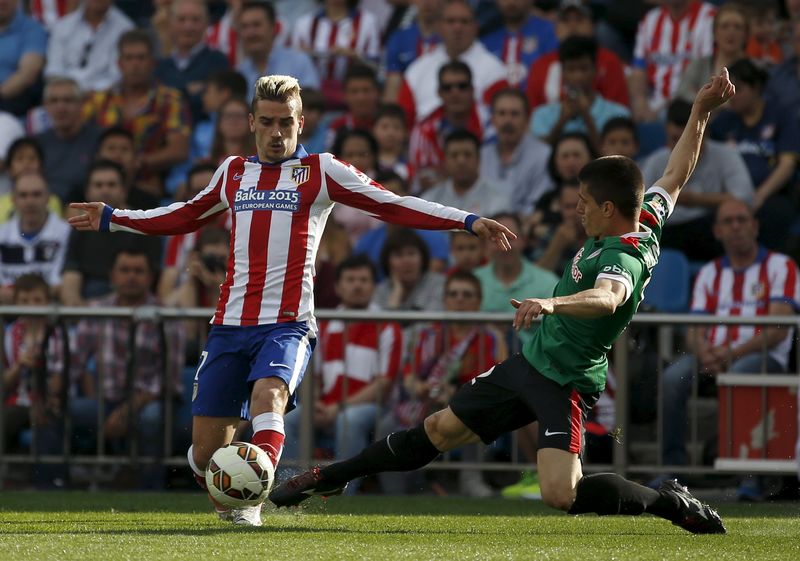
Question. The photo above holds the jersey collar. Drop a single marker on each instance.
(299, 153)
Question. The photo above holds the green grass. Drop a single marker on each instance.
(145, 527)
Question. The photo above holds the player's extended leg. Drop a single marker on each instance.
(565, 488)
(404, 450)
(268, 402)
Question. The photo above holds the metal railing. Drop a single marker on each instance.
(663, 323)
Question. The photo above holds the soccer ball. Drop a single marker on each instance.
(239, 474)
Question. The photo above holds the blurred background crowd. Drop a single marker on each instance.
(490, 106)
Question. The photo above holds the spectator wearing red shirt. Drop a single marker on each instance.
(545, 82)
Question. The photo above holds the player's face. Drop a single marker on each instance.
(466, 251)
(355, 287)
(276, 126)
(509, 118)
(461, 296)
(619, 142)
(590, 213)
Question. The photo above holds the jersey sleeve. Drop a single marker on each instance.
(622, 267)
(656, 208)
(177, 218)
(784, 282)
(703, 298)
(353, 188)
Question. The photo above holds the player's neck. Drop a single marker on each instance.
(619, 228)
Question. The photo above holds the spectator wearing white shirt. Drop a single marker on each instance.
(35, 239)
(83, 45)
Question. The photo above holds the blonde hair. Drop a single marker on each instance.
(278, 88)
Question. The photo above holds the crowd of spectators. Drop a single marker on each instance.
(492, 107)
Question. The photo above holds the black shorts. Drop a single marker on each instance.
(514, 394)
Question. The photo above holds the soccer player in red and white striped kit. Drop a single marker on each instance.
(263, 331)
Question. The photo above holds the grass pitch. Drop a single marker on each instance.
(141, 526)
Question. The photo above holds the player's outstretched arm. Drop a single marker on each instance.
(602, 300)
(494, 232)
(684, 156)
(91, 219)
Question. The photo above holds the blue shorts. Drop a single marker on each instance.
(235, 357)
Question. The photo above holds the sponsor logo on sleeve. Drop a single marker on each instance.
(616, 270)
(274, 200)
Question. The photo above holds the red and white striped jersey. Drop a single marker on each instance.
(355, 354)
(47, 12)
(664, 46)
(278, 216)
(724, 291)
(426, 143)
(319, 35)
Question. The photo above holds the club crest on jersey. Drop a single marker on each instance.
(274, 200)
(576, 273)
(758, 291)
(300, 174)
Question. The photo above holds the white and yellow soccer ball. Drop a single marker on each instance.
(240, 474)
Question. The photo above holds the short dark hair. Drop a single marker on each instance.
(136, 36)
(391, 111)
(201, 167)
(462, 135)
(132, 250)
(620, 123)
(312, 99)
(455, 67)
(360, 72)
(515, 93)
(464, 276)
(678, 112)
(616, 179)
(399, 239)
(386, 175)
(745, 71)
(266, 7)
(578, 46)
(116, 131)
(101, 165)
(30, 282)
(230, 80)
(24, 142)
(357, 261)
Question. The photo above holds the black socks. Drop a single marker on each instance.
(405, 450)
(608, 493)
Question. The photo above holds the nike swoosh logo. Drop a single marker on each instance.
(548, 433)
(278, 364)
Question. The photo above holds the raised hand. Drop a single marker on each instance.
(716, 92)
(91, 219)
(493, 231)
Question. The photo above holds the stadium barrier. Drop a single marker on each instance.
(624, 462)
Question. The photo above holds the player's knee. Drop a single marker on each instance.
(444, 432)
(559, 496)
(269, 394)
